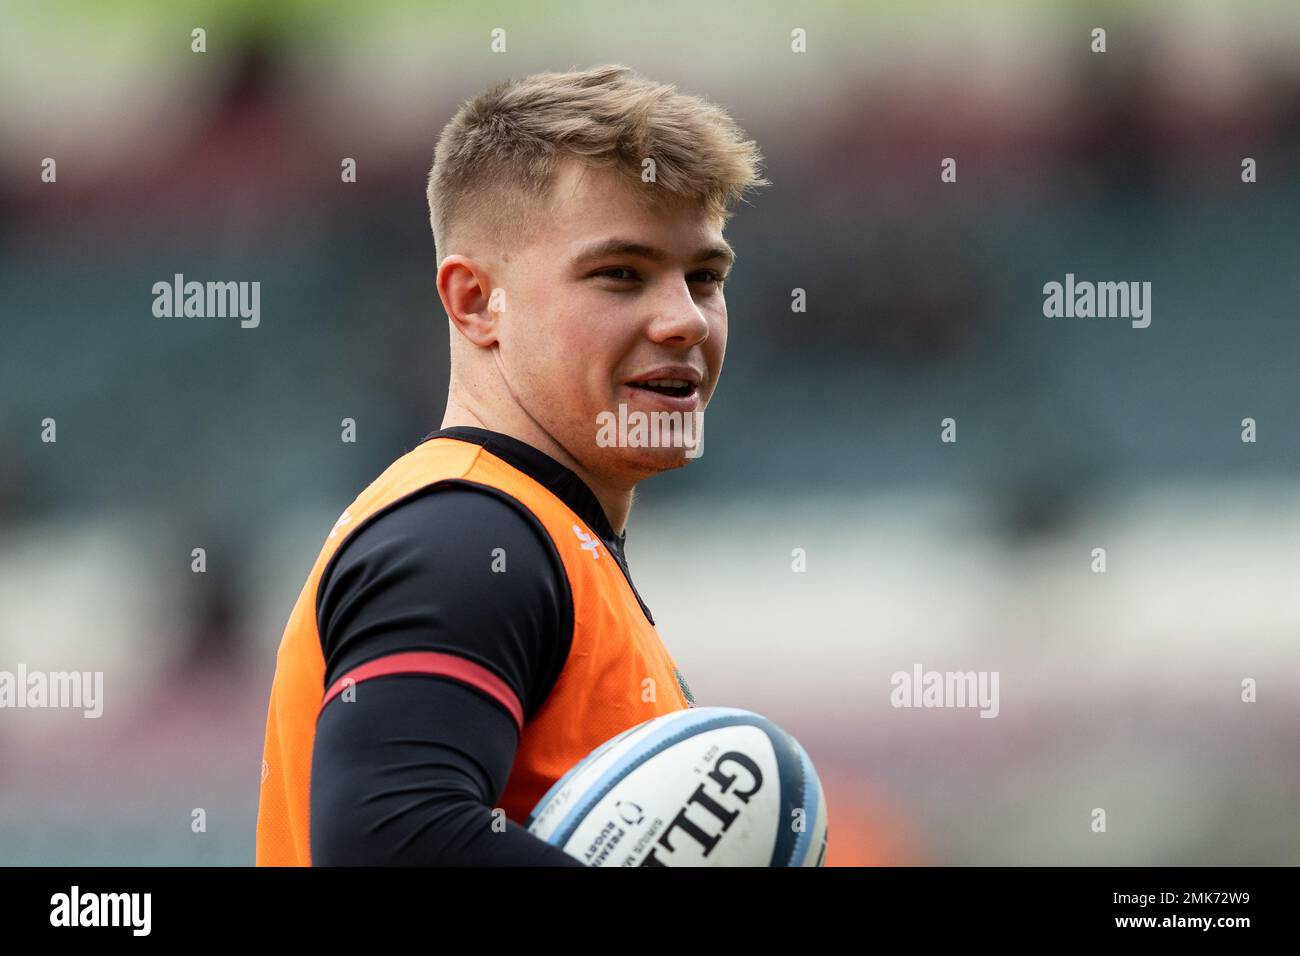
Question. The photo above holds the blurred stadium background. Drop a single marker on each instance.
(1119, 690)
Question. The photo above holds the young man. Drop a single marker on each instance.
(470, 630)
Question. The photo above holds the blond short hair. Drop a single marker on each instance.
(497, 158)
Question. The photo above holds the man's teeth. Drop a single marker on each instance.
(666, 383)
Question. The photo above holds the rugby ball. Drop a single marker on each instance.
(705, 786)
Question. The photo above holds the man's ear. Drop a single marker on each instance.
(468, 297)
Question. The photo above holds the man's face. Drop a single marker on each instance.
(610, 296)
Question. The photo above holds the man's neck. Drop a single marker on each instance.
(615, 501)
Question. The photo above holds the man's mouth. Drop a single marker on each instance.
(675, 387)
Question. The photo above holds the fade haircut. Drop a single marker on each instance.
(496, 160)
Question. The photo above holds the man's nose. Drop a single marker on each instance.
(677, 318)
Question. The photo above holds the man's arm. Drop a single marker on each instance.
(407, 775)
(407, 767)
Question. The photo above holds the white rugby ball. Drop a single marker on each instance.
(705, 786)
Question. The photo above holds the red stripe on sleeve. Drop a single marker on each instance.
(443, 665)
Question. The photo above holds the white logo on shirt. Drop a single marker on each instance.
(343, 519)
(588, 542)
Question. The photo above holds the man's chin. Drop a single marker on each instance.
(637, 443)
(633, 463)
(651, 461)
(657, 438)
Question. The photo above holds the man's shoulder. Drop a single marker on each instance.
(457, 570)
(447, 518)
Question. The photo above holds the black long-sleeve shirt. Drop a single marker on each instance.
(408, 771)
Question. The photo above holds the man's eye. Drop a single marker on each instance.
(626, 274)
(708, 275)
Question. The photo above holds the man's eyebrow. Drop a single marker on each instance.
(629, 247)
